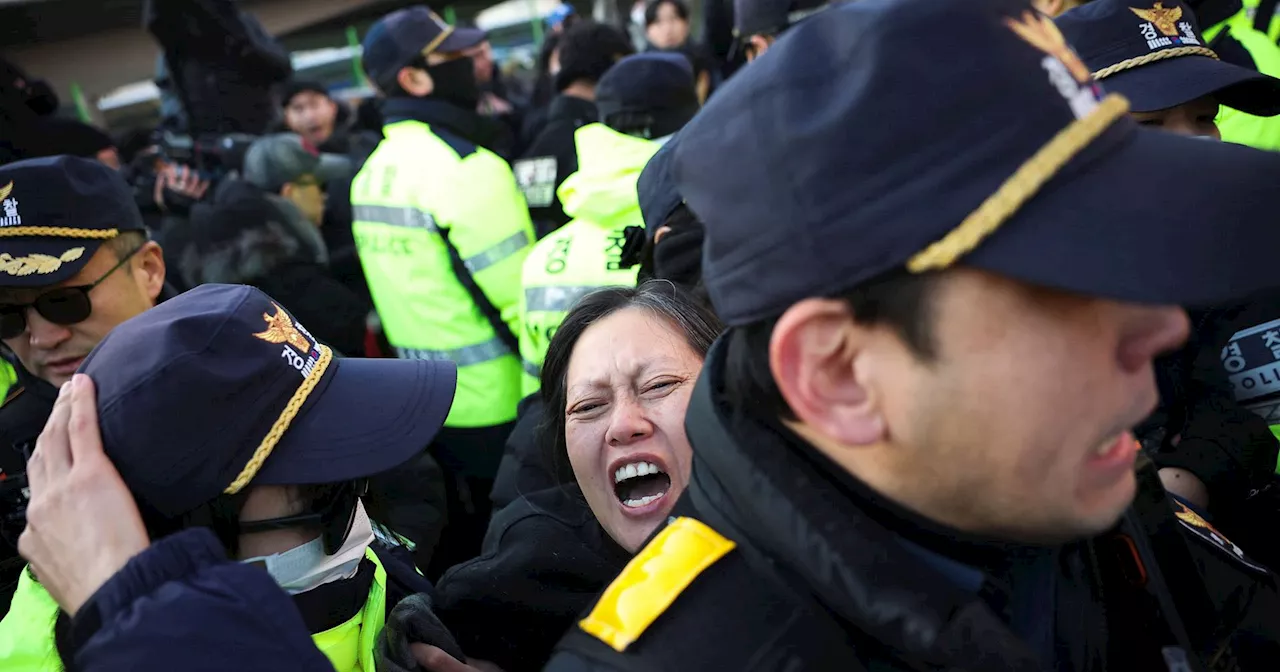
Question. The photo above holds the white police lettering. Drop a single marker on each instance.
(536, 177)
(303, 366)
(1271, 339)
(1082, 99)
(1232, 359)
(1252, 363)
(1148, 32)
(1188, 35)
(11, 217)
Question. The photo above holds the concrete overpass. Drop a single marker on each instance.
(101, 45)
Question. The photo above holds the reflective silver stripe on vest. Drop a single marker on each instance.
(491, 256)
(411, 218)
(472, 354)
(556, 298)
(531, 368)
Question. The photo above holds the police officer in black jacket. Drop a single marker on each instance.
(585, 52)
(912, 447)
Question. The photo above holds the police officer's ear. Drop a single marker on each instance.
(825, 365)
(415, 81)
(148, 270)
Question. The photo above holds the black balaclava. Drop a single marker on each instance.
(455, 82)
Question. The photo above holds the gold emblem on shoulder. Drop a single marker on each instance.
(37, 264)
(280, 329)
(1040, 32)
(1165, 19)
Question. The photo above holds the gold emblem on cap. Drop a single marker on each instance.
(1040, 32)
(280, 329)
(37, 264)
(1165, 19)
(6, 190)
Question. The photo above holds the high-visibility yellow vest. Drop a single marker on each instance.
(1249, 11)
(352, 645)
(1236, 126)
(584, 254)
(26, 632)
(8, 376)
(27, 644)
(415, 187)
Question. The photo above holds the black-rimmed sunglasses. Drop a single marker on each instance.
(61, 305)
(334, 518)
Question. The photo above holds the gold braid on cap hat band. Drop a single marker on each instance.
(1152, 58)
(57, 232)
(433, 44)
(1020, 187)
(282, 423)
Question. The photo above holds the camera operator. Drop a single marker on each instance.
(23, 101)
(222, 63)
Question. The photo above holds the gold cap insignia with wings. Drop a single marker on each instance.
(37, 264)
(1040, 32)
(1164, 18)
(6, 190)
(280, 329)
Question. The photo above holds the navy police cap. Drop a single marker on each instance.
(656, 188)
(926, 133)
(220, 388)
(1155, 55)
(54, 214)
(647, 82)
(400, 37)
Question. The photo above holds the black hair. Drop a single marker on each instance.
(651, 10)
(589, 49)
(391, 88)
(898, 300)
(665, 300)
(126, 242)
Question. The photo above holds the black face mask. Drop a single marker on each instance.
(455, 81)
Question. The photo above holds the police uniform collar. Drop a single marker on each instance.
(750, 474)
(571, 107)
(329, 605)
(441, 114)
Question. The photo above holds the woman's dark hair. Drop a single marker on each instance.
(589, 49)
(651, 10)
(898, 300)
(664, 300)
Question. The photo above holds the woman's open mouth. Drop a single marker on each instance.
(640, 483)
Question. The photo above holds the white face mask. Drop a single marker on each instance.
(307, 567)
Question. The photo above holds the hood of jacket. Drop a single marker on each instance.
(245, 234)
(604, 188)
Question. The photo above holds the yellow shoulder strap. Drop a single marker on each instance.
(653, 580)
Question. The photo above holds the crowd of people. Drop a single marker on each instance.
(931, 335)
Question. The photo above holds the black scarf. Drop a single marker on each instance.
(442, 114)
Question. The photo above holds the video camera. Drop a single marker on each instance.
(214, 156)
